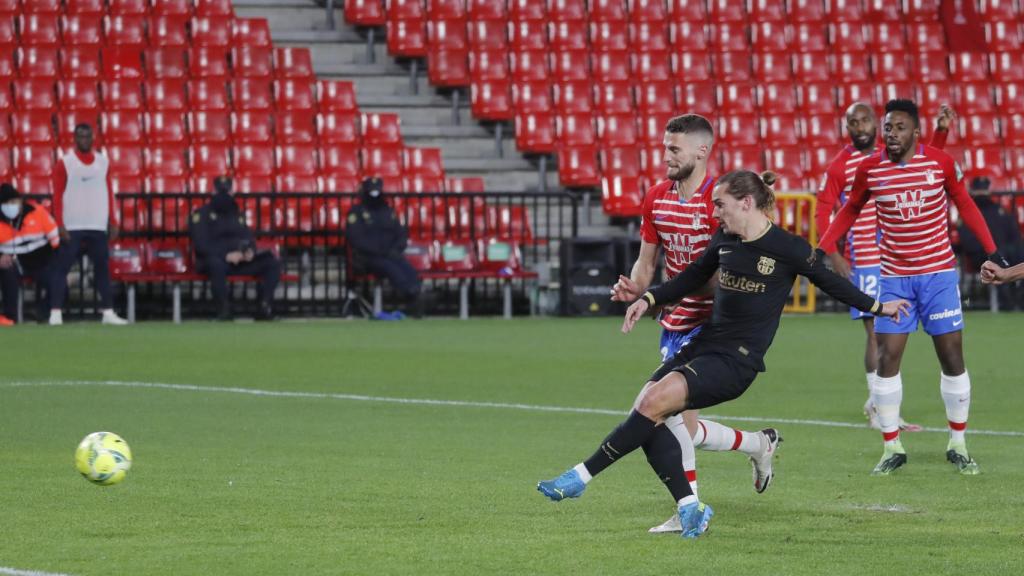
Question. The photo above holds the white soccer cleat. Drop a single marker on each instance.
(762, 461)
(670, 526)
(111, 317)
(56, 318)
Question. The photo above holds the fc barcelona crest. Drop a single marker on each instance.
(766, 265)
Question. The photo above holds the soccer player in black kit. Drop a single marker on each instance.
(758, 264)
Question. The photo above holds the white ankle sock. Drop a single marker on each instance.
(581, 469)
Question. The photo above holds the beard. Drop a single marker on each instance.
(682, 173)
(865, 142)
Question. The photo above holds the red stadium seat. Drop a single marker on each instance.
(981, 130)
(252, 127)
(930, 66)
(37, 62)
(573, 97)
(881, 11)
(614, 97)
(993, 10)
(90, 7)
(333, 212)
(577, 167)
(777, 98)
(82, 30)
(305, 183)
(122, 95)
(295, 128)
(742, 158)
(296, 159)
(464, 185)
(652, 129)
(779, 130)
(889, 65)
(34, 94)
(211, 32)
(208, 95)
(933, 95)
(121, 127)
(166, 95)
(1010, 97)
(491, 100)
(126, 160)
(968, 66)
(383, 161)
(821, 130)
(68, 119)
(7, 171)
(336, 96)
(736, 130)
(209, 127)
(771, 11)
(1008, 67)
(39, 30)
(769, 36)
(487, 34)
(1003, 36)
(365, 12)
(208, 63)
(251, 32)
(847, 94)
(689, 36)
(80, 62)
(809, 38)
(7, 71)
(8, 31)
(259, 184)
(614, 130)
(493, 64)
(786, 161)
(565, 10)
(127, 31)
(699, 97)
(34, 184)
(648, 37)
(166, 63)
(647, 11)
(168, 31)
(607, 10)
(652, 166)
(78, 95)
(340, 160)
(622, 195)
(407, 38)
(338, 128)
(974, 98)
(448, 68)
(121, 62)
(528, 65)
(166, 161)
(531, 96)
(656, 98)
(166, 128)
(611, 66)
(729, 36)
(252, 62)
(1013, 129)
(809, 67)
(921, 10)
(851, 67)
(294, 94)
(804, 10)
(381, 129)
(570, 35)
(209, 160)
(726, 11)
(819, 159)
(926, 37)
(985, 160)
(886, 36)
(252, 94)
(424, 162)
(653, 66)
(33, 160)
(737, 98)
(293, 63)
(128, 7)
(253, 159)
(890, 90)
(845, 37)
(575, 130)
(772, 67)
(33, 127)
(214, 8)
(165, 184)
(446, 9)
(535, 133)
(609, 36)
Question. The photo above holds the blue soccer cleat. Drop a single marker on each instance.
(694, 518)
(568, 485)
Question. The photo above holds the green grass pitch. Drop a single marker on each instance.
(233, 484)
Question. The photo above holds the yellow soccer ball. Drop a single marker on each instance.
(103, 458)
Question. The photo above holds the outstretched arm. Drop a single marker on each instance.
(811, 264)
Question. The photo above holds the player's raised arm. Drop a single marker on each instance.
(859, 196)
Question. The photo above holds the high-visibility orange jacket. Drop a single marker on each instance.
(32, 236)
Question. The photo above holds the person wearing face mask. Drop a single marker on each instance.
(225, 246)
(378, 242)
(83, 206)
(28, 242)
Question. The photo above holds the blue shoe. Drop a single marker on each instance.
(695, 518)
(568, 485)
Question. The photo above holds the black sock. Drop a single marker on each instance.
(628, 436)
(666, 458)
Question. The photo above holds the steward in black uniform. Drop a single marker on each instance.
(378, 241)
(225, 246)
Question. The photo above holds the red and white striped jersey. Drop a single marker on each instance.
(912, 209)
(683, 230)
(862, 241)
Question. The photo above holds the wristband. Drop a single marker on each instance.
(876, 307)
(649, 297)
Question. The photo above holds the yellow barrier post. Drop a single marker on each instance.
(795, 213)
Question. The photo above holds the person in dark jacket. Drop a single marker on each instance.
(28, 244)
(1005, 231)
(224, 246)
(378, 242)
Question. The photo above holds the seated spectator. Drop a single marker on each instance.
(378, 242)
(28, 242)
(225, 246)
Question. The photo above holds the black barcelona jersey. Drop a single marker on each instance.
(754, 284)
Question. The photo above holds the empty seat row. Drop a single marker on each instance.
(119, 7)
(133, 31)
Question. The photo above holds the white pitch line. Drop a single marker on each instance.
(455, 403)
(16, 572)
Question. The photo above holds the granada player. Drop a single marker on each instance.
(910, 183)
(677, 217)
(862, 242)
